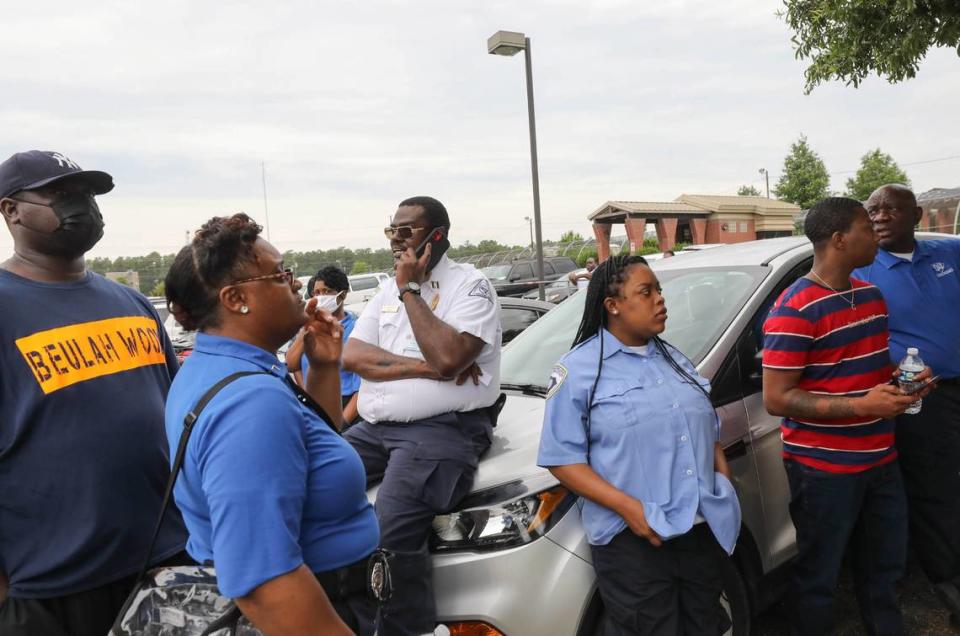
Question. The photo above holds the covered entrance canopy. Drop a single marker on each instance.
(694, 218)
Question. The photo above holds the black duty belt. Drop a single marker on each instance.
(350, 580)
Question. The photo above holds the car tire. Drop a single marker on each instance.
(733, 598)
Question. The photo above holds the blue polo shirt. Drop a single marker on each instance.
(923, 299)
(349, 382)
(266, 485)
(652, 436)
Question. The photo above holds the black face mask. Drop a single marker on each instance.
(81, 225)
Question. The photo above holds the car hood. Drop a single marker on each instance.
(516, 440)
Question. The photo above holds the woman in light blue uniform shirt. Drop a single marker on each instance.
(269, 491)
(630, 428)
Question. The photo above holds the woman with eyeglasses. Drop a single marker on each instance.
(330, 287)
(629, 426)
(270, 493)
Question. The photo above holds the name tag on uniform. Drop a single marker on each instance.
(389, 309)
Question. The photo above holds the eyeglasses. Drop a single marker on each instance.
(402, 232)
(286, 276)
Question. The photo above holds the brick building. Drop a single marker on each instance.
(941, 207)
(694, 218)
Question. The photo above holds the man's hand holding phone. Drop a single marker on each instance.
(411, 268)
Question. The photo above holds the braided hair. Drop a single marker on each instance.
(606, 282)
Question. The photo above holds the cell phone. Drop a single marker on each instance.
(921, 387)
(437, 238)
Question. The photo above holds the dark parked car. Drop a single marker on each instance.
(516, 277)
(516, 314)
(557, 290)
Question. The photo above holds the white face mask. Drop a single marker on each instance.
(329, 303)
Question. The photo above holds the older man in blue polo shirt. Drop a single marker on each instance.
(920, 281)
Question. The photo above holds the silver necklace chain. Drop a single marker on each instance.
(853, 304)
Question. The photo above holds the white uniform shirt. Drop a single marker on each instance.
(459, 295)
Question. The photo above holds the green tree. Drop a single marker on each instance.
(159, 289)
(849, 39)
(748, 191)
(584, 255)
(123, 281)
(876, 169)
(570, 236)
(804, 179)
(360, 267)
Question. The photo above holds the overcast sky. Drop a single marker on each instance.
(355, 106)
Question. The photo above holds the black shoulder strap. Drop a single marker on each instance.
(304, 398)
(188, 422)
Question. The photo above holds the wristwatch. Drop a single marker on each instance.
(413, 288)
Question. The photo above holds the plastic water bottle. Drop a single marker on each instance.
(910, 366)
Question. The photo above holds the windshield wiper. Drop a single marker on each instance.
(526, 389)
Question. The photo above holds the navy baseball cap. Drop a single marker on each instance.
(38, 168)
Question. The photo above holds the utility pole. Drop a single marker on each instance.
(766, 175)
(266, 214)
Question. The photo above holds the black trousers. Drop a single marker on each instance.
(349, 596)
(929, 447)
(425, 468)
(666, 591)
(87, 613)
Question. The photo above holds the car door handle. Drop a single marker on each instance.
(735, 450)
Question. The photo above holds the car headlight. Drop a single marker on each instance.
(523, 512)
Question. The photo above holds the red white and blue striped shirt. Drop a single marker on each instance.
(842, 351)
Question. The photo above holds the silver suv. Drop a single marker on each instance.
(513, 559)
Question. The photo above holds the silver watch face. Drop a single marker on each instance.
(413, 286)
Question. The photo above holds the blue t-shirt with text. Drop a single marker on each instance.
(85, 368)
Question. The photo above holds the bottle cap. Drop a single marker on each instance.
(913, 351)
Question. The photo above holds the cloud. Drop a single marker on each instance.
(354, 106)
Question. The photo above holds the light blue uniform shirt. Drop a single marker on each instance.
(922, 301)
(266, 485)
(651, 436)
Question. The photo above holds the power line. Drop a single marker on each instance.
(903, 165)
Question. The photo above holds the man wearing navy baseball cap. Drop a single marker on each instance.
(86, 365)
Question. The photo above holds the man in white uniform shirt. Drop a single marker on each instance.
(427, 348)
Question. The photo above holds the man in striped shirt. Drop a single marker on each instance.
(827, 371)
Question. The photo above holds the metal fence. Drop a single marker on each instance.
(574, 250)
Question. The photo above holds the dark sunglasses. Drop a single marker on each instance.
(286, 275)
(402, 232)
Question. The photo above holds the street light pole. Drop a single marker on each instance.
(766, 175)
(530, 224)
(510, 43)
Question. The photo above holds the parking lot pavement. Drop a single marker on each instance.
(924, 615)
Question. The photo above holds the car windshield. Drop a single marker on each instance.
(701, 303)
(496, 272)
